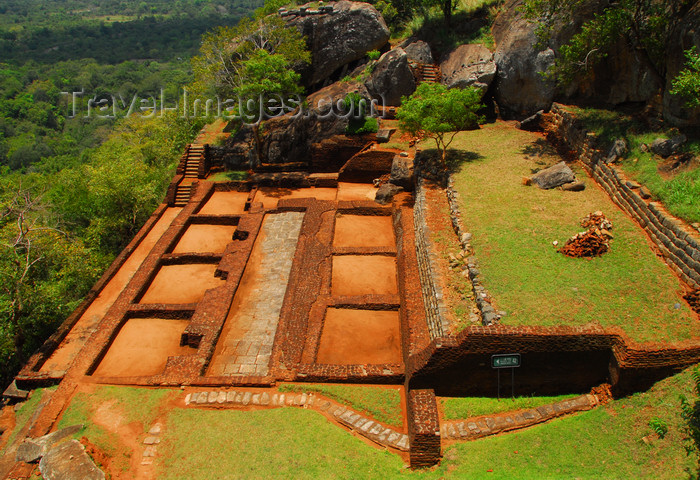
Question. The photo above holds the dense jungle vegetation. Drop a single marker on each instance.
(75, 189)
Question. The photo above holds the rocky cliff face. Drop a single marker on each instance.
(339, 38)
(686, 34)
(289, 138)
(521, 88)
(391, 78)
(468, 65)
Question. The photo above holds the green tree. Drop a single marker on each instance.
(43, 274)
(690, 411)
(253, 62)
(687, 83)
(437, 112)
(645, 26)
(224, 51)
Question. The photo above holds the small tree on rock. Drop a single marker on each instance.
(436, 112)
(687, 83)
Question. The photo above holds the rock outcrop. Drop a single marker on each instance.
(391, 78)
(665, 147)
(469, 65)
(520, 87)
(622, 77)
(339, 38)
(684, 36)
(402, 172)
(385, 194)
(419, 52)
(32, 449)
(289, 138)
(68, 461)
(554, 176)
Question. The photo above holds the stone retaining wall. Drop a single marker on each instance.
(678, 242)
(485, 425)
(427, 269)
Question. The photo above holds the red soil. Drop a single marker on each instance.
(182, 283)
(364, 275)
(205, 238)
(76, 338)
(225, 203)
(356, 191)
(269, 196)
(142, 348)
(363, 231)
(352, 337)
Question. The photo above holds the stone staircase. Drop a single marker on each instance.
(182, 195)
(429, 73)
(191, 168)
(194, 156)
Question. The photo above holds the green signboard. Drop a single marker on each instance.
(509, 360)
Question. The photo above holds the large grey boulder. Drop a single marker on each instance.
(521, 89)
(386, 192)
(32, 449)
(667, 147)
(339, 38)
(402, 172)
(621, 77)
(391, 78)
(618, 150)
(419, 52)
(468, 65)
(68, 461)
(289, 138)
(553, 176)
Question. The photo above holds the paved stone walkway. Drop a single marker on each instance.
(483, 426)
(356, 422)
(251, 325)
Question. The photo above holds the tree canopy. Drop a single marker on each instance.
(643, 25)
(437, 112)
(687, 83)
(221, 65)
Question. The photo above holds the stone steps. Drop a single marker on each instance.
(182, 195)
(368, 428)
(430, 73)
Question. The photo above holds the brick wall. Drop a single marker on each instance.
(29, 375)
(423, 428)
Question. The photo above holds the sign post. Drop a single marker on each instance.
(507, 360)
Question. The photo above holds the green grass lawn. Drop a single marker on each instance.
(514, 227)
(456, 408)
(601, 443)
(680, 193)
(279, 443)
(299, 443)
(606, 442)
(228, 176)
(130, 405)
(382, 404)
